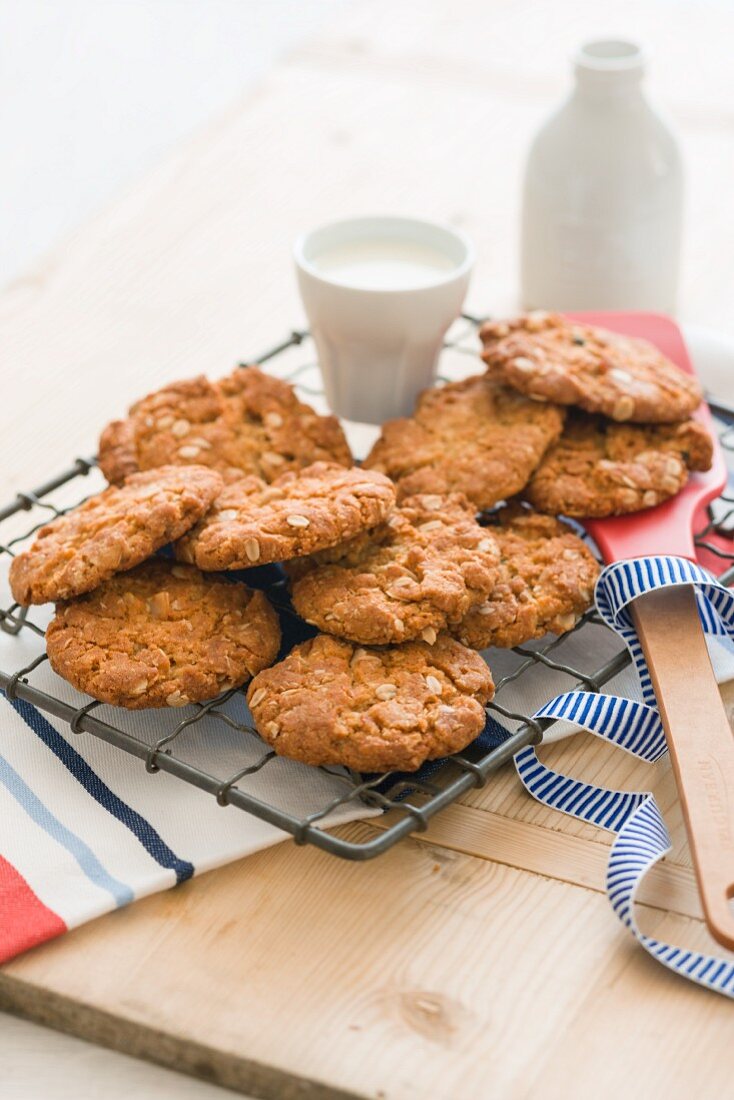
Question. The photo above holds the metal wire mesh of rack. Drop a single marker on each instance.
(213, 745)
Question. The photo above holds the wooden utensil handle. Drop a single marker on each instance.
(700, 742)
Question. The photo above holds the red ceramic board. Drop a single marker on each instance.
(668, 528)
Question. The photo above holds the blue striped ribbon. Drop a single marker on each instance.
(621, 583)
(642, 838)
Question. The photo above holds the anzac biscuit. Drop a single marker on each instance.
(247, 423)
(423, 568)
(372, 710)
(162, 635)
(599, 468)
(550, 358)
(253, 523)
(112, 532)
(546, 582)
(475, 437)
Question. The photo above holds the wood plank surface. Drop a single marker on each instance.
(426, 973)
(480, 959)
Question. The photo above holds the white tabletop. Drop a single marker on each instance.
(39, 1064)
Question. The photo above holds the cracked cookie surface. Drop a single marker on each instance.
(373, 710)
(252, 523)
(546, 582)
(112, 532)
(162, 635)
(599, 468)
(423, 568)
(551, 358)
(247, 423)
(476, 437)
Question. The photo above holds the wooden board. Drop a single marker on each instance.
(481, 959)
(425, 973)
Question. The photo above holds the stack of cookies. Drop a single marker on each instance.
(237, 474)
(579, 421)
(628, 442)
(137, 629)
(445, 542)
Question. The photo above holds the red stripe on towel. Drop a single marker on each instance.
(24, 920)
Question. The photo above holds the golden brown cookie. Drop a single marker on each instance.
(599, 468)
(112, 532)
(372, 710)
(475, 437)
(247, 423)
(162, 635)
(423, 568)
(546, 582)
(252, 522)
(550, 358)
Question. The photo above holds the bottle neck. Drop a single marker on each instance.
(609, 71)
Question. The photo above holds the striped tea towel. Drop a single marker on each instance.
(85, 829)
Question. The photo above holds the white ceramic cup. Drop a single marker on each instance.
(380, 294)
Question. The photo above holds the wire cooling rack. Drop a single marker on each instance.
(166, 740)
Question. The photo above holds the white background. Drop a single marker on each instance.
(93, 92)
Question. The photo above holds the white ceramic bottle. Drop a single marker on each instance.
(603, 194)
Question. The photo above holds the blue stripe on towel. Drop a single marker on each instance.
(142, 829)
(74, 845)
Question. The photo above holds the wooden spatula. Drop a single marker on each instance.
(700, 739)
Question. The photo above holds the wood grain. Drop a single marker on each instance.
(422, 974)
(555, 854)
(482, 959)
